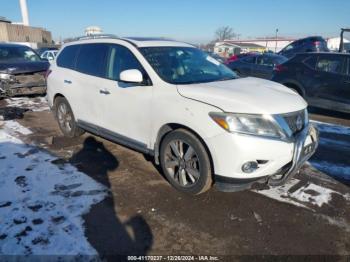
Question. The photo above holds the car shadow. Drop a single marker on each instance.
(329, 113)
(105, 231)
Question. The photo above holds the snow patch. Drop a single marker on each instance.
(31, 103)
(313, 194)
(340, 171)
(332, 128)
(13, 126)
(42, 204)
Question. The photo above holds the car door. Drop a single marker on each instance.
(246, 66)
(330, 76)
(125, 107)
(89, 70)
(264, 67)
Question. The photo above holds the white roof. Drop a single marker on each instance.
(136, 41)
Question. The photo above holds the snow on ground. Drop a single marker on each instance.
(338, 138)
(38, 103)
(41, 203)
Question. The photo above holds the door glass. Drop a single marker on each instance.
(91, 59)
(120, 59)
(330, 64)
(265, 61)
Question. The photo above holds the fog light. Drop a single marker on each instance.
(249, 167)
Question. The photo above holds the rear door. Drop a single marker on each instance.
(90, 67)
(330, 87)
(247, 66)
(264, 67)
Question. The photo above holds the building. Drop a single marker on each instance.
(269, 44)
(227, 49)
(93, 30)
(334, 43)
(19, 33)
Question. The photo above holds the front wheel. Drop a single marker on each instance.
(185, 162)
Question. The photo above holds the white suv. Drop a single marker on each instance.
(201, 122)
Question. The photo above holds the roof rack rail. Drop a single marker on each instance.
(97, 36)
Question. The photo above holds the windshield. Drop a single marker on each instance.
(17, 53)
(186, 65)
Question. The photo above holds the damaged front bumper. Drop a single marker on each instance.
(23, 84)
(305, 144)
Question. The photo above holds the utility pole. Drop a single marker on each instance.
(276, 40)
(24, 11)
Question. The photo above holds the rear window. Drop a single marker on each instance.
(92, 59)
(67, 57)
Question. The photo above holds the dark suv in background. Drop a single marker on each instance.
(22, 71)
(309, 44)
(323, 79)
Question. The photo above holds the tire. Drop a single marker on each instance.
(65, 118)
(185, 162)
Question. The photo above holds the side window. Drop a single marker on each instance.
(119, 59)
(265, 60)
(44, 55)
(311, 61)
(330, 64)
(67, 57)
(91, 59)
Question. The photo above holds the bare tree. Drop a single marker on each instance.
(224, 32)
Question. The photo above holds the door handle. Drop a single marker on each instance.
(347, 81)
(104, 92)
(67, 81)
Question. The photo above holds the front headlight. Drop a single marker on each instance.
(260, 125)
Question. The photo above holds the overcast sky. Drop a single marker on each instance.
(189, 20)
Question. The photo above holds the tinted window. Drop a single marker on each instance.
(311, 61)
(91, 59)
(330, 64)
(67, 56)
(119, 59)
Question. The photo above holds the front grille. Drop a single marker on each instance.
(296, 121)
(28, 80)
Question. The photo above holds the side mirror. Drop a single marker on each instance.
(131, 76)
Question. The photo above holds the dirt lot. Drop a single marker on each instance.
(143, 215)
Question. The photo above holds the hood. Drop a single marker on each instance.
(245, 95)
(22, 67)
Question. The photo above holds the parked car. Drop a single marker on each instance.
(308, 44)
(323, 79)
(41, 50)
(171, 100)
(239, 56)
(257, 65)
(22, 72)
(49, 55)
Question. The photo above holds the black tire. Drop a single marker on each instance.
(188, 176)
(68, 126)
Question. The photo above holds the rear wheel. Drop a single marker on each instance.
(185, 162)
(65, 118)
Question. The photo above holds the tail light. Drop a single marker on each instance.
(280, 68)
(48, 72)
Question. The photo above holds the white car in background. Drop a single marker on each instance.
(49, 55)
(201, 122)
